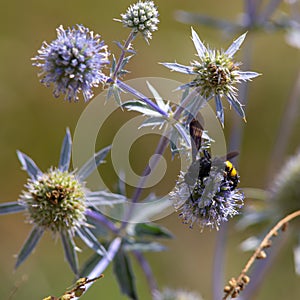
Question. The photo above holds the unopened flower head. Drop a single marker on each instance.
(73, 62)
(210, 201)
(216, 74)
(141, 17)
(55, 200)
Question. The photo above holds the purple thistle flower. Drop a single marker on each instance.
(216, 74)
(210, 201)
(73, 62)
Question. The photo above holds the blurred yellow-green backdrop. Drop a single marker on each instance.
(34, 122)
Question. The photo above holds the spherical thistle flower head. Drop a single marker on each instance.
(58, 201)
(210, 201)
(216, 74)
(73, 62)
(55, 201)
(141, 17)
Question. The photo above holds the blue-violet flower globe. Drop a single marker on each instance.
(73, 62)
(208, 202)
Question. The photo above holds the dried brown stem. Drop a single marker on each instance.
(236, 285)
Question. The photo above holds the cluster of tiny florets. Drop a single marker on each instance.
(209, 202)
(216, 73)
(73, 62)
(142, 17)
(55, 201)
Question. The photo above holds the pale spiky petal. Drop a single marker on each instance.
(28, 165)
(235, 46)
(90, 240)
(219, 108)
(10, 208)
(238, 107)
(179, 68)
(245, 76)
(92, 163)
(69, 250)
(201, 49)
(29, 245)
(65, 154)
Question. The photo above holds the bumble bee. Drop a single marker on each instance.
(196, 131)
(200, 168)
(231, 172)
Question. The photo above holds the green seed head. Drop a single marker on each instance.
(217, 74)
(55, 201)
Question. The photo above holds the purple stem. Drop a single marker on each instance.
(218, 264)
(127, 44)
(285, 129)
(126, 87)
(148, 273)
(142, 97)
(235, 144)
(251, 8)
(137, 193)
(269, 10)
(99, 218)
(105, 261)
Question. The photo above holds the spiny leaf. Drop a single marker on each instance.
(124, 274)
(93, 163)
(29, 245)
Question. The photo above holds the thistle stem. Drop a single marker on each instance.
(142, 97)
(125, 48)
(102, 220)
(265, 242)
(235, 143)
(137, 193)
(287, 122)
(219, 258)
(105, 261)
(269, 10)
(148, 273)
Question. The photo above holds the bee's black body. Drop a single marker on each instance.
(200, 168)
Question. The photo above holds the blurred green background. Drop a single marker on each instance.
(34, 122)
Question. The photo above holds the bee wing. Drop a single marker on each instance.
(196, 131)
(232, 154)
